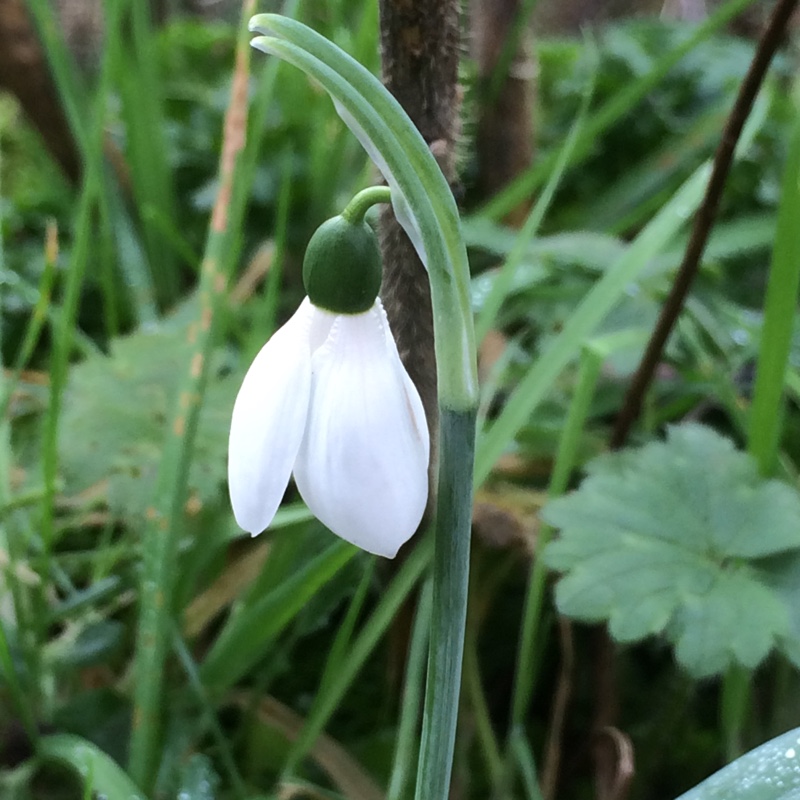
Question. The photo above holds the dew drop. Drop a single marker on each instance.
(740, 336)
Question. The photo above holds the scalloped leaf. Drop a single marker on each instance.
(660, 540)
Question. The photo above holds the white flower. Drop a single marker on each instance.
(328, 399)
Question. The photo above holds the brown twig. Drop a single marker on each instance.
(615, 784)
(704, 220)
(552, 761)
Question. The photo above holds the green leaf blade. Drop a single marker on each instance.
(99, 772)
(770, 772)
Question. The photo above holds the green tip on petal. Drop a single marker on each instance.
(342, 267)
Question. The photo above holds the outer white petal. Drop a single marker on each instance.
(363, 464)
(268, 422)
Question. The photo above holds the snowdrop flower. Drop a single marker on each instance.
(328, 399)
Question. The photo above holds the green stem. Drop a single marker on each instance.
(364, 200)
(448, 618)
(421, 197)
(767, 410)
(591, 362)
(735, 702)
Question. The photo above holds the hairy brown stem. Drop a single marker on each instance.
(420, 50)
(704, 220)
(24, 72)
(504, 129)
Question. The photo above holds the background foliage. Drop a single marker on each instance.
(296, 664)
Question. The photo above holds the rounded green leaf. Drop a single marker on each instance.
(669, 539)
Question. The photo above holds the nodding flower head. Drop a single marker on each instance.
(328, 400)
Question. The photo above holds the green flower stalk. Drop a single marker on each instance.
(424, 206)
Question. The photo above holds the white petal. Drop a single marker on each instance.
(268, 422)
(363, 464)
(412, 395)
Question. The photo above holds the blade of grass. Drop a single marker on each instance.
(245, 638)
(622, 102)
(363, 645)
(338, 651)
(65, 74)
(136, 72)
(521, 751)
(588, 373)
(20, 699)
(406, 750)
(36, 322)
(484, 732)
(767, 410)
(165, 516)
(210, 717)
(99, 772)
(537, 382)
(85, 116)
(504, 280)
(257, 128)
(89, 132)
(62, 347)
(138, 285)
(766, 417)
(268, 310)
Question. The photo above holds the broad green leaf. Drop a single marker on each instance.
(770, 772)
(658, 541)
(115, 410)
(101, 775)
